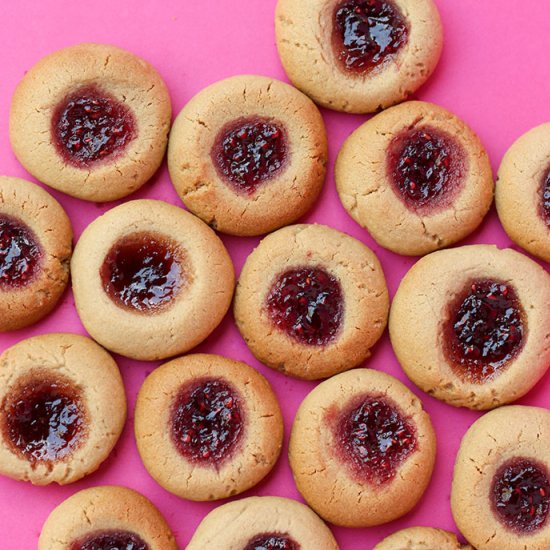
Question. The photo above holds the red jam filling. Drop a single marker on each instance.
(366, 33)
(426, 167)
(20, 253)
(374, 438)
(90, 125)
(43, 418)
(485, 330)
(272, 541)
(249, 152)
(207, 421)
(111, 540)
(545, 205)
(143, 272)
(307, 303)
(521, 495)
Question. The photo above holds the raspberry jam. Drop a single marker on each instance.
(90, 125)
(249, 152)
(426, 167)
(44, 418)
(307, 303)
(485, 330)
(143, 272)
(272, 541)
(521, 495)
(366, 33)
(20, 253)
(545, 196)
(207, 421)
(111, 540)
(374, 438)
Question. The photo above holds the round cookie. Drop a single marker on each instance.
(91, 120)
(523, 192)
(35, 251)
(416, 177)
(263, 522)
(150, 280)
(362, 449)
(106, 517)
(207, 427)
(501, 485)
(311, 301)
(470, 325)
(62, 408)
(248, 155)
(422, 538)
(358, 56)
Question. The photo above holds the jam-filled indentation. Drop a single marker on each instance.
(545, 198)
(111, 540)
(272, 541)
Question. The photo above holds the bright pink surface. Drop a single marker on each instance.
(494, 73)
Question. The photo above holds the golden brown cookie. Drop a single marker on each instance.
(501, 486)
(62, 408)
(150, 280)
(207, 427)
(362, 449)
(35, 251)
(471, 325)
(262, 522)
(422, 538)
(358, 56)
(416, 177)
(91, 120)
(106, 517)
(311, 301)
(248, 154)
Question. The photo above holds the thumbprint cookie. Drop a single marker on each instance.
(422, 538)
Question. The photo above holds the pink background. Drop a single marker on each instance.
(494, 73)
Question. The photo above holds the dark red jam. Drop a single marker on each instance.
(143, 271)
(111, 540)
(545, 205)
(425, 166)
(307, 303)
(521, 495)
(20, 253)
(207, 421)
(485, 330)
(374, 438)
(367, 33)
(44, 419)
(272, 541)
(249, 152)
(90, 126)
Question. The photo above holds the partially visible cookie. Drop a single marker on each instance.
(362, 449)
(150, 280)
(207, 427)
(62, 408)
(416, 177)
(107, 517)
(422, 538)
(311, 301)
(91, 120)
(523, 192)
(262, 522)
(35, 251)
(358, 56)
(471, 325)
(500, 496)
(248, 154)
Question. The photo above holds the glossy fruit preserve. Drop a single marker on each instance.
(272, 541)
(111, 540)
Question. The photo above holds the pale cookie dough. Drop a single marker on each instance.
(422, 538)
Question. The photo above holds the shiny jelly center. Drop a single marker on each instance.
(111, 540)
(249, 152)
(272, 541)
(367, 32)
(143, 272)
(207, 421)
(521, 495)
(485, 330)
(545, 199)
(307, 303)
(90, 126)
(20, 253)
(44, 420)
(374, 438)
